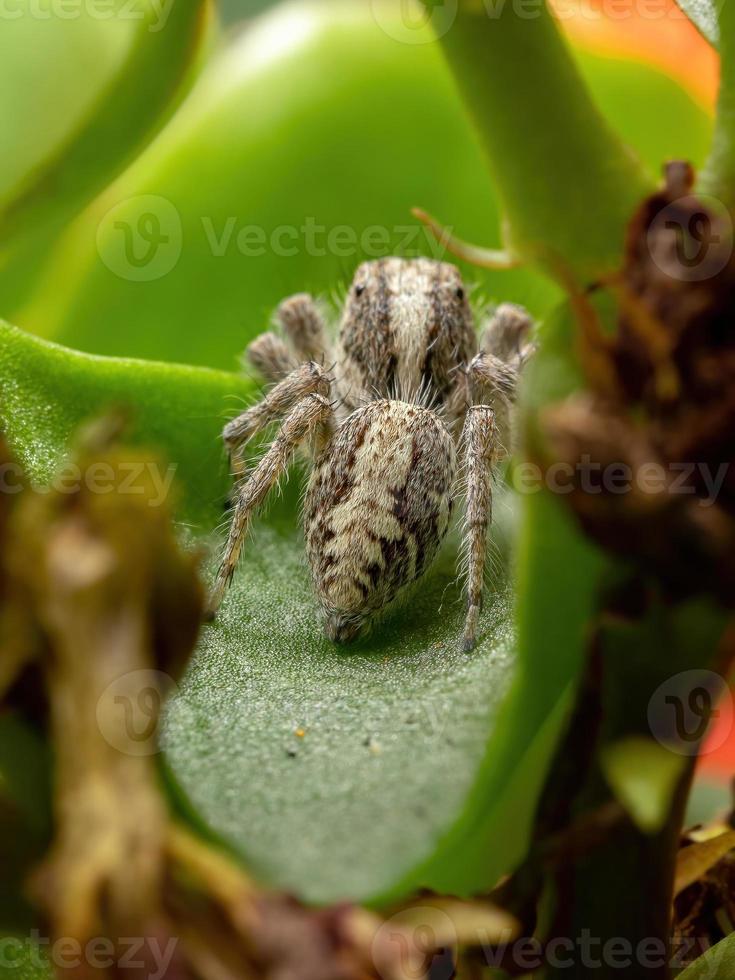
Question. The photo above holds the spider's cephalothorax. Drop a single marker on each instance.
(405, 329)
(411, 403)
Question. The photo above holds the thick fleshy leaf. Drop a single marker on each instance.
(268, 182)
(333, 772)
(41, 110)
(718, 177)
(717, 963)
(703, 14)
(24, 958)
(48, 390)
(106, 83)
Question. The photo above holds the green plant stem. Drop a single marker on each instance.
(567, 183)
(617, 901)
(619, 893)
(718, 176)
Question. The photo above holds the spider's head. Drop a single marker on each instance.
(407, 324)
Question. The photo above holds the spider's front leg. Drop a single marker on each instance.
(478, 440)
(311, 418)
(305, 380)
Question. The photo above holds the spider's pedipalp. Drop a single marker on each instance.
(270, 357)
(303, 324)
(507, 334)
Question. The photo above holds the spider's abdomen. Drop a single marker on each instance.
(377, 507)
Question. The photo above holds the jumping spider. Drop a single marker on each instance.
(409, 391)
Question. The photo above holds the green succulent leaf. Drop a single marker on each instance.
(718, 963)
(262, 196)
(718, 177)
(24, 958)
(49, 390)
(111, 109)
(336, 773)
(41, 111)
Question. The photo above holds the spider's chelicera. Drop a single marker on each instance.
(405, 413)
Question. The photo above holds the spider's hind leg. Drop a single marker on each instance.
(478, 440)
(310, 418)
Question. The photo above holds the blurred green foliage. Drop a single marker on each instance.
(315, 117)
(316, 114)
(236, 11)
(73, 138)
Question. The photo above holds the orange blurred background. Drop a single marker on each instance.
(652, 31)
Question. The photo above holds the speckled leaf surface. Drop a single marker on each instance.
(718, 963)
(47, 390)
(336, 773)
(703, 14)
(24, 958)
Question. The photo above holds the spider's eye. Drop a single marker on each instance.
(359, 290)
(460, 292)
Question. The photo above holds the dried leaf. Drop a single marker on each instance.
(695, 860)
(660, 408)
(115, 606)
